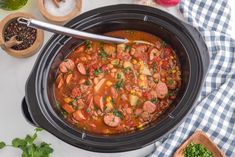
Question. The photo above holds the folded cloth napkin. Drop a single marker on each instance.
(215, 109)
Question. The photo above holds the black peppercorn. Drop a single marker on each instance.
(22, 32)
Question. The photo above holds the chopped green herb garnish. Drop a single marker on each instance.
(87, 83)
(127, 70)
(88, 110)
(138, 102)
(64, 113)
(102, 53)
(154, 66)
(118, 84)
(66, 60)
(70, 71)
(119, 76)
(117, 113)
(96, 108)
(112, 101)
(154, 100)
(75, 99)
(58, 105)
(127, 48)
(97, 72)
(88, 44)
(170, 81)
(197, 150)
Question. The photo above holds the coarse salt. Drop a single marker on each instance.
(65, 7)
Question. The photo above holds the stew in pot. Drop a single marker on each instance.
(110, 89)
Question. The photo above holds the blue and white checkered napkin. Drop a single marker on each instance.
(215, 110)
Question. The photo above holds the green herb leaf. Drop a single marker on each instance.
(119, 76)
(19, 143)
(170, 81)
(97, 72)
(117, 113)
(112, 101)
(102, 53)
(127, 70)
(2, 144)
(88, 44)
(196, 150)
(118, 84)
(38, 129)
(127, 48)
(154, 100)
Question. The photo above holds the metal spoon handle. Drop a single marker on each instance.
(68, 31)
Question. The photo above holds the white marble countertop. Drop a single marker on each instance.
(13, 75)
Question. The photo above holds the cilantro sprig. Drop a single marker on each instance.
(29, 147)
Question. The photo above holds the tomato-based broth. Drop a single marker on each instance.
(117, 88)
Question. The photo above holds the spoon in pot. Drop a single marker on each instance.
(69, 31)
(75, 33)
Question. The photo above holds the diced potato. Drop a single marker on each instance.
(109, 83)
(142, 77)
(115, 62)
(68, 100)
(134, 61)
(133, 99)
(145, 70)
(127, 64)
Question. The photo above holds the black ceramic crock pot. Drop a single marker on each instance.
(39, 102)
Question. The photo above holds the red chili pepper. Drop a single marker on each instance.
(167, 3)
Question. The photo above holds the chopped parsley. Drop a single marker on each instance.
(75, 100)
(119, 76)
(127, 48)
(170, 81)
(196, 150)
(88, 44)
(117, 113)
(96, 108)
(102, 53)
(118, 84)
(154, 100)
(127, 70)
(112, 101)
(97, 72)
(58, 105)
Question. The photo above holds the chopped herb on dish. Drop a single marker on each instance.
(197, 150)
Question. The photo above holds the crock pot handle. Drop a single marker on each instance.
(202, 46)
(26, 113)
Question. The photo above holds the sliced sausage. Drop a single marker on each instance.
(79, 116)
(149, 107)
(111, 120)
(161, 90)
(69, 78)
(81, 68)
(66, 65)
